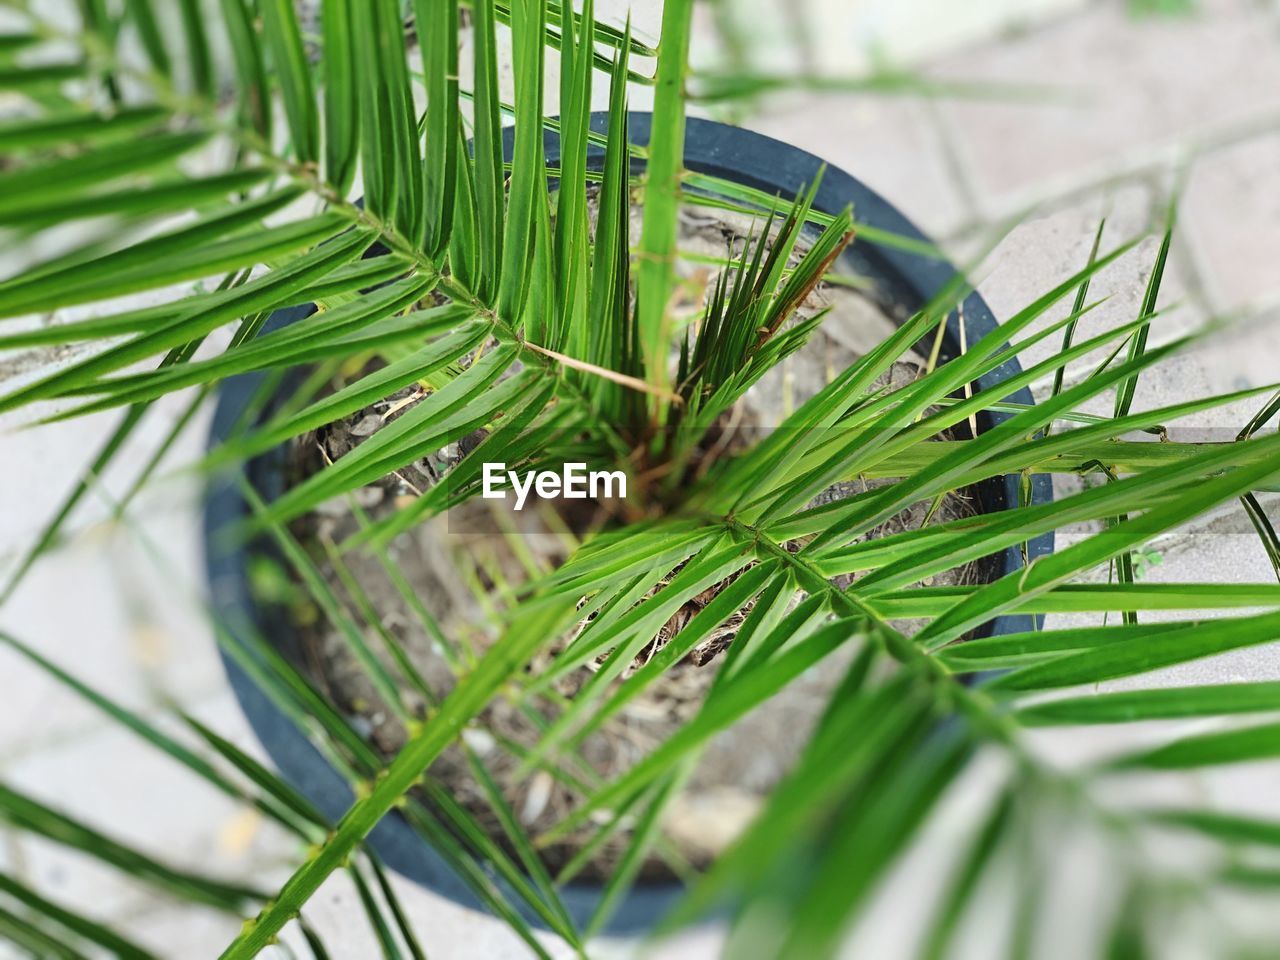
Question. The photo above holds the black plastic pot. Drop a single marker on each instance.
(903, 279)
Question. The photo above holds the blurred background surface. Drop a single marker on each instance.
(1001, 127)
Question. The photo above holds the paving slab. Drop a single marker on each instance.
(842, 39)
(1133, 91)
(43, 466)
(1231, 207)
(129, 790)
(889, 144)
(1237, 357)
(449, 931)
(100, 609)
(1051, 245)
(1222, 548)
(181, 931)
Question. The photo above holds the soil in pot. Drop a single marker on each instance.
(459, 580)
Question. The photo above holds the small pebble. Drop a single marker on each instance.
(367, 425)
(368, 496)
(481, 741)
(536, 799)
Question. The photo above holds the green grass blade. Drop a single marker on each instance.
(538, 622)
(610, 332)
(655, 272)
(55, 180)
(140, 727)
(1082, 296)
(359, 393)
(1226, 827)
(933, 479)
(143, 15)
(731, 702)
(402, 125)
(469, 401)
(856, 733)
(728, 602)
(314, 943)
(1164, 704)
(378, 169)
(487, 147)
(438, 34)
(32, 80)
(397, 911)
(484, 846)
(341, 96)
(571, 229)
(251, 75)
(303, 341)
(47, 289)
(1099, 503)
(199, 57)
(1143, 653)
(519, 838)
(293, 74)
(113, 276)
(373, 912)
(528, 186)
(255, 296)
(33, 940)
(1087, 598)
(459, 482)
(480, 881)
(80, 925)
(81, 128)
(1049, 571)
(149, 201)
(1207, 749)
(1019, 649)
(964, 881)
(866, 844)
(269, 781)
(26, 813)
(644, 836)
(1266, 532)
(334, 611)
(1125, 392)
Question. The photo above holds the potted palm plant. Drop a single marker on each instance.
(908, 279)
(868, 545)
